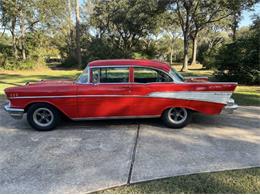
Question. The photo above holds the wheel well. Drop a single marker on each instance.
(29, 105)
(189, 109)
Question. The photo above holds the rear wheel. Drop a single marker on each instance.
(43, 117)
(176, 117)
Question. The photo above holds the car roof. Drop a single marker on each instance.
(125, 62)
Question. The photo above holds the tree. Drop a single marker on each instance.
(236, 7)
(239, 60)
(21, 17)
(184, 10)
(123, 23)
(170, 38)
(206, 14)
(195, 15)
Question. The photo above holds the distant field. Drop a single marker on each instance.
(244, 95)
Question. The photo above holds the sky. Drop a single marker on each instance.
(246, 15)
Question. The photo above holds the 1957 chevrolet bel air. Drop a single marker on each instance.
(120, 89)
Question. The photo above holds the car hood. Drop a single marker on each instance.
(50, 82)
(43, 88)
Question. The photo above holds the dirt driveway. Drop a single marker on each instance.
(87, 156)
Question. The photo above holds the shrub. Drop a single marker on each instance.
(239, 61)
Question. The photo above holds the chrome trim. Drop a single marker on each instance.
(230, 107)
(144, 96)
(36, 97)
(196, 77)
(115, 117)
(109, 66)
(87, 67)
(128, 66)
(14, 112)
(158, 70)
(206, 96)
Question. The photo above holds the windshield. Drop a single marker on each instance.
(83, 77)
(177, 76)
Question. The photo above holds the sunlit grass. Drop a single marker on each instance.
(237, 181)
(247, 95)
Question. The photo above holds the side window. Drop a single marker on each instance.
(148, 75)
(110, 75)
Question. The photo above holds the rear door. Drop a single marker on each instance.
(146, 81)
(107, 94)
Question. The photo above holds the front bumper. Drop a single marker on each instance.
(16, 113)
(230, 107)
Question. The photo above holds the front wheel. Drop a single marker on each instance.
(176, 117)
(43, 117)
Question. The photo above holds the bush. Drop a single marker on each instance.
(239, 61)
(13, 64)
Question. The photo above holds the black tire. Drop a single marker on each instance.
(170, 122)
(51, 114)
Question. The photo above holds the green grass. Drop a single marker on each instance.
(247, 95)
(236, 181)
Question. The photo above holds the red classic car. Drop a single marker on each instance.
(120, 89)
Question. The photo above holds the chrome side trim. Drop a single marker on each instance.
(116, 117)
(230, 107)
(73, 96)
(208, 96)
(216, 97)
(14, 112)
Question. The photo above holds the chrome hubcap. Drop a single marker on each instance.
(177, 115)
(43, 117)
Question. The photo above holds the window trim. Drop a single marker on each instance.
(99, 67)
(156, 69)
(131, 74)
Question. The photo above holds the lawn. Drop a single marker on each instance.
(236, 181)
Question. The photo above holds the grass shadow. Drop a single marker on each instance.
(246, 99)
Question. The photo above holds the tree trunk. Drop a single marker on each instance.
(22, 28)
(14, 38)
(70, 34)
(171, 54)
(194, 49)
(185, 53)
(234, 27)
(78, 50)
(171, 51)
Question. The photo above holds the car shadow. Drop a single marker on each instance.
(242, 120)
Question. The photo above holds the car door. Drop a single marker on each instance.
(107, 93)
(145, 82)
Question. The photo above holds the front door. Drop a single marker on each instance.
(107, 94)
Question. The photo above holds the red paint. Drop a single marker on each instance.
(146, 63)
(104, 100)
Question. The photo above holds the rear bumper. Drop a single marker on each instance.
(14, 112)
(230, 107)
